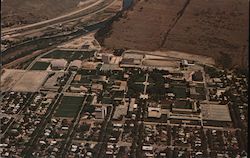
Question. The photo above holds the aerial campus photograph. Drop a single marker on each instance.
(124, 78)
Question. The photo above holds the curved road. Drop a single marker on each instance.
(54, 20)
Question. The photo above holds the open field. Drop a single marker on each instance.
(9, 77)
(161, 63)
(69, 106)
(40, 66)
(51, 82)
(70, 55)
(215, 28)
(31, 81)
(180, 92)
(84, 42)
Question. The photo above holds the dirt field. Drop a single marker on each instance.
(9, 77)
(31, 81)
(216, 28)
(161, 63)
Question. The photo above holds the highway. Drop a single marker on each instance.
(94, 8)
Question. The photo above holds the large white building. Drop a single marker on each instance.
(154, 112)
(59, 64)
(76, 64)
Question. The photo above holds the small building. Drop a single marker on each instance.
(79, 89)
(147, 148)
(143, 96)
(119, 86)
(100, 111)
(132, 105)
(96, 87)
(58, 64)
(120, 111)
(75, 65)
(184, 62)
(89, 65)
(111, 67)
(131, 59)
(154, 112)
(197, 76)
(106, 58)
(77, 78)
(217, 80)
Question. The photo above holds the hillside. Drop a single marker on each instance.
(215, 28)
(30, 11)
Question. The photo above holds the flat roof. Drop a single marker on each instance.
(215, 112)
(120, 110)
(106, 67)
(133, 55)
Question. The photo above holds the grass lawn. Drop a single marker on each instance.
(70, 55)
(200, 90)
(183, 106)
(40, 66)
(137, 87)
(69, 106)
(141, 79)
(138, 77)
(107, 100)
(180, 92)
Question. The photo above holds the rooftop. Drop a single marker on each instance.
(215, 112)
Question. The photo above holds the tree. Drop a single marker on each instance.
(84, 127)
(89, 108)
(118, 52)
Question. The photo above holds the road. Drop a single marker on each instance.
(5, 31)
(193, 126)
(145, 84)
(103, 139)
(93, 9)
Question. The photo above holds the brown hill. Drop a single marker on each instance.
(31, 11)
(216, 28)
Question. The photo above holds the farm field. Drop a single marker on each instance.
(180, 92)
(69, 106)
(40, 66)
